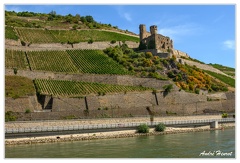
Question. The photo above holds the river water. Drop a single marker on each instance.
(207, 144)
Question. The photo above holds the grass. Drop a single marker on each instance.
(17, 86)
(227, 70)
(223, 78)
(10, 33)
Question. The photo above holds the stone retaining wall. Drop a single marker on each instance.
(22, 104)
(16, 45)
(107, 79)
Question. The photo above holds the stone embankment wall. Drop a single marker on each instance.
(129, 104)
(108, 79)
(22, 104)
(11, 44)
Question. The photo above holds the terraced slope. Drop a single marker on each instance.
(96, 62)
(57, 61)
(15, 59)
(77, 88)
(70, 36)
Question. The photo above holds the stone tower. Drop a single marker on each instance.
(153, 29)
(143, 32)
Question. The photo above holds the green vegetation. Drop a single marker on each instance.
(223, 78)
(192, 59)
(10, 33)
(54, 20)
(9, 116)
(224, 115)
(57, 61)
(73, 36)
(140, 64)
(15, 59)
(192, 79)
(95, 61)
(168, 88)
(160, 127)
(36, 35)
(27, 111)
(169, 113)
(17, 86)
(77, 88)
(69, 117)
(227, 70)
(143, 128)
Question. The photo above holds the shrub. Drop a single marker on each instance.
(168, 88)
(27, 111)
(224, 115)
(9, 116)
(143, 128)
(90, 41)
(113, 42)
(23, 43)
(148, 55)
(197, 91)
(75, 26)
(15, 70)
(160, 127)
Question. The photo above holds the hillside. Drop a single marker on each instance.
(58, 63)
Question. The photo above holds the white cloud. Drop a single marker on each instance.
(178, 31)
(127, 16)
(123, 14)
(229, 44)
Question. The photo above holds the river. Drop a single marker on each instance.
(207, 144)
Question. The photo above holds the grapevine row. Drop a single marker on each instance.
(64, 36)
(58, 61)
(15, 59)
(95, 61)
(77, 88)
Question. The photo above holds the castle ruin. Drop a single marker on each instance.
(156, 43)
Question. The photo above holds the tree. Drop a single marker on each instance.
(89, 19)
(77, 16)
(53, 13)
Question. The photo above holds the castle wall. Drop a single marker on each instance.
(179, 53)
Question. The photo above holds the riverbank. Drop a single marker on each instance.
(109, 135)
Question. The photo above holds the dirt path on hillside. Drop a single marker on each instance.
(33, 124)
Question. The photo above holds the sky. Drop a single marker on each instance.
(205, 32)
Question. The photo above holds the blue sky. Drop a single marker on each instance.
(205, 32)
